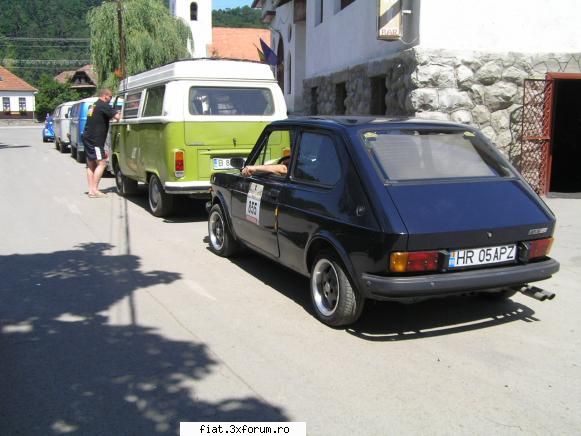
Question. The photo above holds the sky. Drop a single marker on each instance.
(226, 4)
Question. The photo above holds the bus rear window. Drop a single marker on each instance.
(230, 101)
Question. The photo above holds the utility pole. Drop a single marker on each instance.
(121, 39)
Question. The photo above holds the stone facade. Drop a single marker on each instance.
(484, 90)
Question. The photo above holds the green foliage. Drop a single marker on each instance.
(51, 94)
(152, 36)
(68, 19)
(43, 19)
(237, 17)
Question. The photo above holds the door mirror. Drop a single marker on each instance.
(237, 162)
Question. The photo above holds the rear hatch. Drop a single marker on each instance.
(469, 214)
(213, 144)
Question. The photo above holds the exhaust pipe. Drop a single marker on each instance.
(537, 293)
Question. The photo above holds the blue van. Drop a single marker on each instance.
(78, 118)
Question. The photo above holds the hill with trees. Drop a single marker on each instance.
(237, 17)
(39, 37)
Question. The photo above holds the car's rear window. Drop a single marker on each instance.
(430, 154)
(230, 101)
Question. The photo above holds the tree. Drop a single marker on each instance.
(51, 94)
(153, 37)
(238, 17)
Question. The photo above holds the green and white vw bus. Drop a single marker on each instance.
(183, 121)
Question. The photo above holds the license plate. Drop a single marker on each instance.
(482, 256)
(221, 163)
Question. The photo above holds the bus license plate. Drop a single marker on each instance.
(222, 163)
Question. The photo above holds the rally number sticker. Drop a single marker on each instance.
(253, 203)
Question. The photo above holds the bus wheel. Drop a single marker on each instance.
(160, 203)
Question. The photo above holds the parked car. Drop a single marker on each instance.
(62, 126)
(47, 129)
(184, 120)
(382, 209)
(78, 118)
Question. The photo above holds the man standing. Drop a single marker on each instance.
(94, 136)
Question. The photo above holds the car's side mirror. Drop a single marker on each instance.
(237, 162)
(66, 115)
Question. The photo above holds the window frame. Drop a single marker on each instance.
(127, 100)
(484, 148)
(297, 151)
(148, 92)
(263, 89)
(6, 104)
(257, 153)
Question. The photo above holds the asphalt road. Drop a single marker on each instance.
(115, 322)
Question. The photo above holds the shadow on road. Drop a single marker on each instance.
(388, 321)
(3, 146)
(187, 210)
(391, 321)
(64, 369)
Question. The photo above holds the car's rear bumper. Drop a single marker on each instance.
(435, 285)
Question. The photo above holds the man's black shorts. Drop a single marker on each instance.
(94, 153)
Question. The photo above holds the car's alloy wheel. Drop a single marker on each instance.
(335, 301)
(160, 203)
(221, 240)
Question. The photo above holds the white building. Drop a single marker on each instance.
(198, 15)
(17, 96)
(512, 68)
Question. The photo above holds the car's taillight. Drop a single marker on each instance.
(179, 163)
(413, 261)
(539, 248)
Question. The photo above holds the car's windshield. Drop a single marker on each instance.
(411, 154)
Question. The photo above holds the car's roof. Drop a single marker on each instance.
(367, 121)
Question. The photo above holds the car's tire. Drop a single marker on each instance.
(125, 186)
(73, 152)
(44, 139)
(335, 300)
(80, 156)
(499, 295)
(220, 237)
(160, 203)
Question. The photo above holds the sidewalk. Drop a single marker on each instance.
(20, 123)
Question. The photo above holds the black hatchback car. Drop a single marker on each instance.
(383, 209)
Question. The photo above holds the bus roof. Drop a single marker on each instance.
(200, 69)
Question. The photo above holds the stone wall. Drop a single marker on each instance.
(480, 89)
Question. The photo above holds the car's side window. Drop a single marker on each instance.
(317, 160)
(276, 147)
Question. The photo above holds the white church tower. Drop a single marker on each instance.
(198, 14)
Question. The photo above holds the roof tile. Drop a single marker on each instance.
(11, 82)
(237, 43)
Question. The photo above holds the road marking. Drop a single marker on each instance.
(199, 289)
(73, 208)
